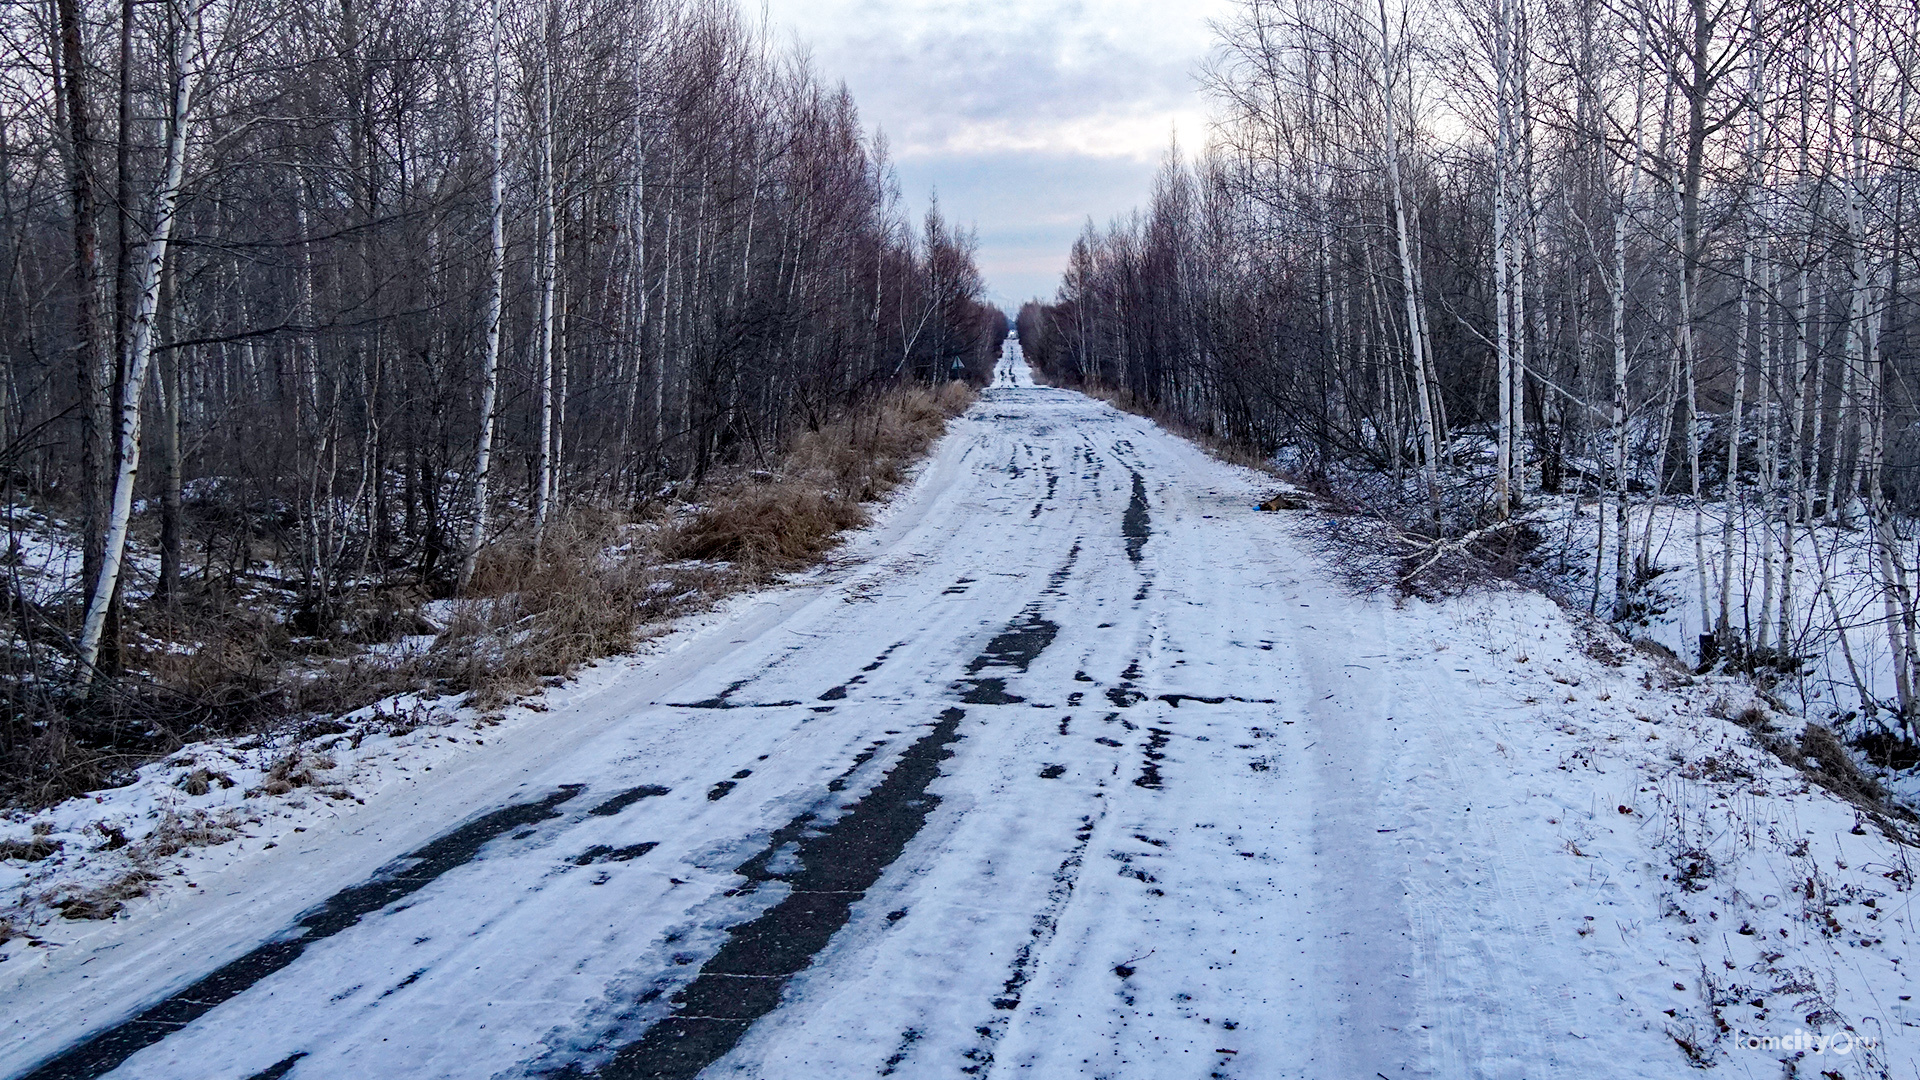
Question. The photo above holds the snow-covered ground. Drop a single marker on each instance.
(1076, 765)
(43, 554)
(1840, 617)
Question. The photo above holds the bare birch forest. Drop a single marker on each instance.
(1588, 270)
(323, 301)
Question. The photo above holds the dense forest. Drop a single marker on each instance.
(1621, 265)
(340, 298)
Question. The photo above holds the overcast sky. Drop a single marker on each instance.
(1027, 116)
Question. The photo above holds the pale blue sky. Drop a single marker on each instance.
(1027, 115)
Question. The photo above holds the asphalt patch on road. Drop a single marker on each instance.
(1056, 581)
(1015, 647)
(1136, 523)
(839, 783)
(724, 700)
(1175, 699)
(839, 692)
(1124, 696)
(279, 1068)
(104, 1051)
(1150, 771)
(837, 864)
(603, 853)
(628, 798)
(882, 658)
(718, 703)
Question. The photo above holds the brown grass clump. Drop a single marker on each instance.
(222, 660)
(202, 780)
(178, 832)
(108, 899)
(599, 583)
(1821, 758)
(1834, 768)
(596, 584)
(778, 523)
(770, 528)
(30, 850)
(297, 768)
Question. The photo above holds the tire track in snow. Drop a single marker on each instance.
(826, 868)
(1027, 959)
(744, 980)
(103, 1052)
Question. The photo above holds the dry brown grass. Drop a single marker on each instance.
(594, 589)
(1834, 768)
(29, 850)
(179, 832)
(774, 523)
(770, 528)
(105, 900)
(222, 664)
(601, 583)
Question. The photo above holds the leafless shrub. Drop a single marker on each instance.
(1361, 552)
(1371, 553)
(1378, 534)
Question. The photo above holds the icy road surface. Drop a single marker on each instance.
(1082, 768)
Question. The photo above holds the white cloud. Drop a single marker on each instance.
(1028, 116)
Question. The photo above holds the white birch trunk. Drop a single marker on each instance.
(1622, 531)
(139, 360)
(1502, 150)
(1520, 237)
(1732, 502)
(496, 290)
(549, 257)
(1415, 337)
(1769, 450)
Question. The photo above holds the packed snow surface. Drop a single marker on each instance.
(1077, 764)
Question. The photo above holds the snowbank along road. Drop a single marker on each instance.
(1079, 767)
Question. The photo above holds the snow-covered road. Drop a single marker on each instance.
(1082, 767)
